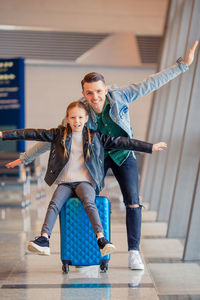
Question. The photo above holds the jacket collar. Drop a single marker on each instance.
(68, 142)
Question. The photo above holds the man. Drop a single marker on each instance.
(109, 113)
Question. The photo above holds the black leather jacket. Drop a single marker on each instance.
(94, 161)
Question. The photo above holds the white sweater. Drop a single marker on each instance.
(75, 169)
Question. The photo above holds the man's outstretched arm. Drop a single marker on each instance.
(28, 156)
(157, 80)
(35, 151)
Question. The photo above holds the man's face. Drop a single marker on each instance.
(95, 94)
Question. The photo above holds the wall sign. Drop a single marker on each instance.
(12, 108)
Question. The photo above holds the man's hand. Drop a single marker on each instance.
(159, 146)
(14, 163)
(190, 57)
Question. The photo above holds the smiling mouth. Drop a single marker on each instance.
(95, 101)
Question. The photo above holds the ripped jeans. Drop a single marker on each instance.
(127, 177)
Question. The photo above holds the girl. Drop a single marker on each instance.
(76, 165)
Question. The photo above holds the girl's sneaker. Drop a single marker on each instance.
(105, 246)
(39, 246)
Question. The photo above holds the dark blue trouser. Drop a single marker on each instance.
(127, 177)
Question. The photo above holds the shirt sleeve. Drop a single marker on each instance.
(153, 82)
(35, 151)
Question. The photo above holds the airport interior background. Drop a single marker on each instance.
(52, 45)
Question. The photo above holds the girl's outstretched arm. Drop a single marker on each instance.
(159, 146)
(126, 143)
(30, 134)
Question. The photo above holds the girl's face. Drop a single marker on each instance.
(76, 118)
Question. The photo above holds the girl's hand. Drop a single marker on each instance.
(189, 59)
(159, 146)
(1, 134)
(14, 163)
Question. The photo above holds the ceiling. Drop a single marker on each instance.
(105, 32)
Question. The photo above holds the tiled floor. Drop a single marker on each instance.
(27, 276)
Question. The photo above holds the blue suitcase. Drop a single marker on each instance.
(78, 242)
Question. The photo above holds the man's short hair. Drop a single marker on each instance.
(92, 77)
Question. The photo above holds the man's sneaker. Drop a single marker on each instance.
(135, 261)
(105, 246)
(39, 246)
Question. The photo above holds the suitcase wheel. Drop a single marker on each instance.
(65, 268)
(103, 267)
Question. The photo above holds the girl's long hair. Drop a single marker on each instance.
(67, 130)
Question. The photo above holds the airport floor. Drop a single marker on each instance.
(24, 275)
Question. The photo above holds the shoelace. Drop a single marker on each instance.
(39, 238)
(136, 257)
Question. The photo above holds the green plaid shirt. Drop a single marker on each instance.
(107, 126)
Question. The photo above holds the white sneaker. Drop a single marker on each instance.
(105, 246)
(39, 246)
(135, 261)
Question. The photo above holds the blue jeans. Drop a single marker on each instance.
(85, 192)
(127, 177)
